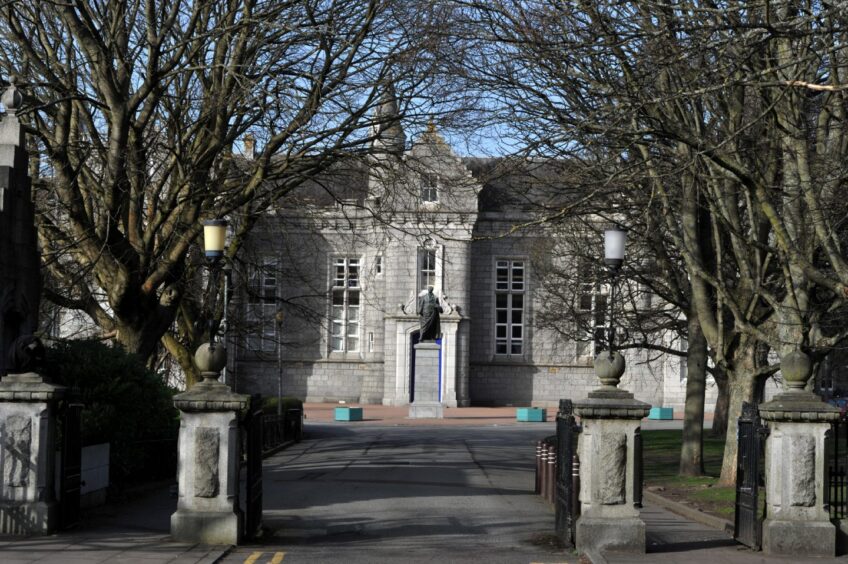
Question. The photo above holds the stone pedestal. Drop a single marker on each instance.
(208, 471)
(27, 454)
(426, 404)
(797, 517)
(609, 482)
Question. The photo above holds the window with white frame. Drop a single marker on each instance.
(592, 318)
(345, 306)
(429, 188)
(510, 286)
(262, 307)
(427, 270)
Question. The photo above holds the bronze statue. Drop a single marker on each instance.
(429, 310)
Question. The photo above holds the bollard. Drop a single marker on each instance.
(538, 486)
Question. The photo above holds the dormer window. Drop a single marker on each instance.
(429, 188)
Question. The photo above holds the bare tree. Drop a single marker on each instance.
(735, 113)
(137, 107)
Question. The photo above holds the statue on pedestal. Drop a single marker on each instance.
(429, 310)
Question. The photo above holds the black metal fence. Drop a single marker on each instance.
(280, 429)
(748, 517)
(70, 471)
(567, 471)
(638, 471)
(558, 472)
(837, 453)
(253, 447)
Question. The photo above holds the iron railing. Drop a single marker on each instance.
(70, 472)
(567, 474)
(253, 426)
(281, 429)
(837, 454)
(748, 518)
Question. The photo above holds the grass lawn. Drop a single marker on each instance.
(661, 459)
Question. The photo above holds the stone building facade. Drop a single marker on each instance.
(328, 282)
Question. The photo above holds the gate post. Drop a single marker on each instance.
(747, 528)
(27, 449)
(797, 513)
(609, 494)
(564, 497)
(208, 470)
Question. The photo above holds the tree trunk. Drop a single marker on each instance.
(722, 404)
(741, 385)
(692, 448)
(184, 358)
(141, 326)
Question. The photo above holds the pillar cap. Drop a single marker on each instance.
(210, 396)
(29, 386)
(798, 406)
(611, 404)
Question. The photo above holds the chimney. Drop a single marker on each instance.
(249, 146)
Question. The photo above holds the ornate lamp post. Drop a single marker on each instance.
(208, 475)
(614, 240)
(210, 358)
(610, 446)
(610, 367)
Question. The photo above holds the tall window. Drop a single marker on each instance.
(509, 307)
(427, 274)
(344, 331)
(592, 318)
(429, 188)
(262, 307)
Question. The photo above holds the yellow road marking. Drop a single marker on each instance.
(278, 557)
(253, 558)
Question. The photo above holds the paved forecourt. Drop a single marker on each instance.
(360, 493)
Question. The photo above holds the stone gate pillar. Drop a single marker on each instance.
(797, 516)
(208, 472)
(609, 461)
(27, 450)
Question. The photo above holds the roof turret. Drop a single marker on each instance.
(387, 130)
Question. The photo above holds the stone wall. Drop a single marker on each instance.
(318, 381)
(544, 385)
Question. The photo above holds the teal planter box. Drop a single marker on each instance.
(348, 414)
(661, 413)
(530, 414)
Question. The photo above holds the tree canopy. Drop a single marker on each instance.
(138, 109)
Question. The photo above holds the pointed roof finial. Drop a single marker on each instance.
(12, 97)
(387, 128)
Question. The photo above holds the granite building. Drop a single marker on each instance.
(327, 291)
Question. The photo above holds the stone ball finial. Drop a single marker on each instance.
(210, 360)
(12, 97)
(26, 354)
(609, 368)
(796, 369)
